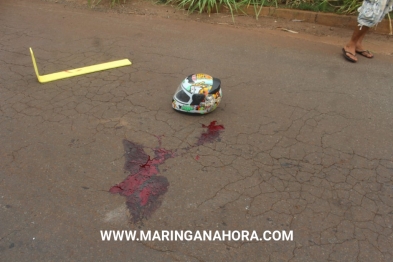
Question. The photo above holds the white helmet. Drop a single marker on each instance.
(198, 93)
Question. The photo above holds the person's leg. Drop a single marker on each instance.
(356, 42)
(360, 49)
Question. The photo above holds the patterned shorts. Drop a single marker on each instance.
(373, 11)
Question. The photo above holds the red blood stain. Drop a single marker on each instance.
(212, 134)
(159, 138)
(197, 158)
(143, 188)
(213, 127)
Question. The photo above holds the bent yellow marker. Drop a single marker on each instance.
(77, 71)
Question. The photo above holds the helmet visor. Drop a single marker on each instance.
(181, 95)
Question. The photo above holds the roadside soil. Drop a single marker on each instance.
(310, 31)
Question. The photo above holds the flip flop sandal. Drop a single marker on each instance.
(350, 59)
(365, 53)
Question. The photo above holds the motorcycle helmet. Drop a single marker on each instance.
(197, 94)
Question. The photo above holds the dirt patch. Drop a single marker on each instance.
(310, 31)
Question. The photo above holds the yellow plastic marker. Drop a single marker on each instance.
(78, 71)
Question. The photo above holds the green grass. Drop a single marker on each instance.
(209, 6)
(321, 6)
(332, 6)
(93, 3)
(349, 6)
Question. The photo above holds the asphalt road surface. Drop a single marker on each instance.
(306, 148)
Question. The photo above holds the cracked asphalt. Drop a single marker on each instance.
(307, 145)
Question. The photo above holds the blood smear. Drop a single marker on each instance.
(212, 134)
(143, 187)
